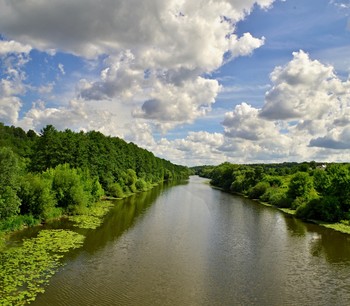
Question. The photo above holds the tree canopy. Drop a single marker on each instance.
(59, 172)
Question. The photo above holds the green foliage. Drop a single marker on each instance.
(9, 202)
(25, 270)
(70, 188)
(17, 222)
(313, 190)
(92, 218)
(141, 185)
(300, 185)
(322, 182)
(65, 172)
(18, 140)
(280, 198)
(115, 190)
(273, 180)
(9, 175)
(37, 197)
(326, 209)
(258, 190)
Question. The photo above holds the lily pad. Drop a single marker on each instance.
(25, 270)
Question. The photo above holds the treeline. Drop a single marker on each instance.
(314, 190)
(64, 172)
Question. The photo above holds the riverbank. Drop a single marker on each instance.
(87, 217)
(343, 226)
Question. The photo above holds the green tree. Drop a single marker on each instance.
(9, 175)
(300, 185)
(69, 188)
(258, 190)
(37, 197)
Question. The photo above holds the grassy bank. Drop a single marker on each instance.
(343, 226)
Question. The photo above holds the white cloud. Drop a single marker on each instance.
(9, 108)
(179, 104)
(304, 88)
(198, 148)
(120, 79)
(61, 68)
(12, 46)
(306, 113)
(245, 45)
(157, 49)
(13, 57)
(244, 122)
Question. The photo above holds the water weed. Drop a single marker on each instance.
(92, 217)
(25, 270)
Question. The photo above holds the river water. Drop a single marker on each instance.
(190, 244)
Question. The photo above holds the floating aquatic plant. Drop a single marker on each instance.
(25, 270)
(93, 217)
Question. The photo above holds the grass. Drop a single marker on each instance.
(343, 226)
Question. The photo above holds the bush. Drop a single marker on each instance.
(37, 197)
(258, 190)
(300, 185)
(115, 190)
(9, 202)
(141, 185)
(323, 209)
(274, 181)
(299, 201)
(68, 186)
(280, 199)
(17, 222)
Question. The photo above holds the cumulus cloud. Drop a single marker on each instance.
(13, 56)
(158, 50)
(12, 46)
(178, 104)
(197, 148)
(119, 79)
(314, 124)
(306, 114)
(304, 88)
(244, 122)
(9, 108)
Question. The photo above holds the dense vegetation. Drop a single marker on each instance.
(315, 191)
(63, 172)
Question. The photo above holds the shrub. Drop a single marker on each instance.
(115, 190)
(280, 199)
(258, 190)
(141, 185)
(324, 209)
(37, 197)
(69, 188)
(300, 185)
(298, 202)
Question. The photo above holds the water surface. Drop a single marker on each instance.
(193, 245)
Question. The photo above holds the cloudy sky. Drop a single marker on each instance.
(194, 81)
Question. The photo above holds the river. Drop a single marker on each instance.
(190, 244)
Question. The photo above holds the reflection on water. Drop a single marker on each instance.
(193, 245)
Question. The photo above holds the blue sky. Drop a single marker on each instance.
(195, 82)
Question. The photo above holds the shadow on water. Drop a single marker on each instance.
(123, 216)
(193, 245)
(333, 245)
(118, 220)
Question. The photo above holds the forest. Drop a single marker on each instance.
(60, 173)
(314, 191)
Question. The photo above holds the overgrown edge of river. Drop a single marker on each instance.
(337, 226)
